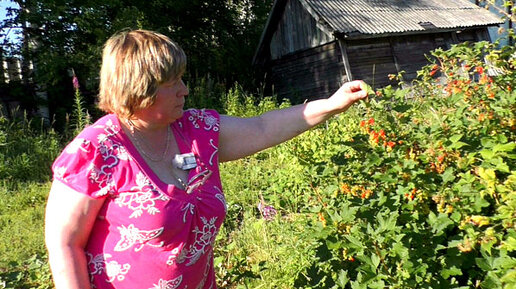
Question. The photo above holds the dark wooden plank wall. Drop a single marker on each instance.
(473, 35)
(371, 60)
(310, 74)
(410, 52)
(444, 40)
(406, 53)
(297, 30)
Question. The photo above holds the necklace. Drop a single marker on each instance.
(140, 146)
(179, 180)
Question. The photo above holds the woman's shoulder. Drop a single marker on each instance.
(201, 119)
(106, 125)
(94, 134)
(82, 164)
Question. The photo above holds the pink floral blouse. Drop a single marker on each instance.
(148, 234)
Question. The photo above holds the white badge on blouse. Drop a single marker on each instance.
(185, 161)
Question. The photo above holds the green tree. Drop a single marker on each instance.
(219, 37)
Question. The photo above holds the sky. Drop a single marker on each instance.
(3, 5)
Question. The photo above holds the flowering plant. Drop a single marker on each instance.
(268, 212)
(81, 117)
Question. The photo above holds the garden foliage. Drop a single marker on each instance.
(415, 188)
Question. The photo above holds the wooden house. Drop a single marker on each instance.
(309, 47)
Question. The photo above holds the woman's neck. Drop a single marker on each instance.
(145, 126)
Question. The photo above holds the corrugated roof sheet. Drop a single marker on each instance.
(399, 16)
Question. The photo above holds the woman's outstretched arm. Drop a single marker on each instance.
(241, 137)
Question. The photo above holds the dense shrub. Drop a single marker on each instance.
(415, 188)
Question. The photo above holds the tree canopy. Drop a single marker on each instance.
(219, 37)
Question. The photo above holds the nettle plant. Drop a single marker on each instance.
(417, 188)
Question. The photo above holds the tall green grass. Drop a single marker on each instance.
(27, 150)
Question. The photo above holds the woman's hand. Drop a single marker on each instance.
(348, 94)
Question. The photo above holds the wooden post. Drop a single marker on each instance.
(392, 42)
(345, 61)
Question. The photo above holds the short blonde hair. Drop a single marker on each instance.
(134, 64)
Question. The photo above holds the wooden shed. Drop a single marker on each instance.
(309, 47)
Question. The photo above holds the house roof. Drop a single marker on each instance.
(374, 18)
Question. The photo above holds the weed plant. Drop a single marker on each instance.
(27, 147)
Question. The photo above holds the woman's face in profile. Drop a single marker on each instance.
(170, 100)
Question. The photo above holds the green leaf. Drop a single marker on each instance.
(334, 216)
(456, 216)
(374, 159)
(315, 209)
(342, 278)
(464, 188)
(500, 165)
(487, 154)
(487, 142)
(399, 249)
(509, 278)
(380, 284)
(356, 242)
(384, 177)
(504, 147)
(457, 145)
(375, 260)
(402, 108)
(509, 244)
(348, 214)
(387, 224)
(483, 264)
(505, 262)
(491, 281)
(448, 175)
(330, 189)
(488, 175)
(358, 284)
(367, 260)
(439, 223)
(453, 271)
(480, 203)
(455, 138)
(333, 244)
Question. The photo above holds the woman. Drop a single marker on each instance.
(136, 200)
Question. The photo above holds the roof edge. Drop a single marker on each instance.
(277, 7)
(355, 35)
